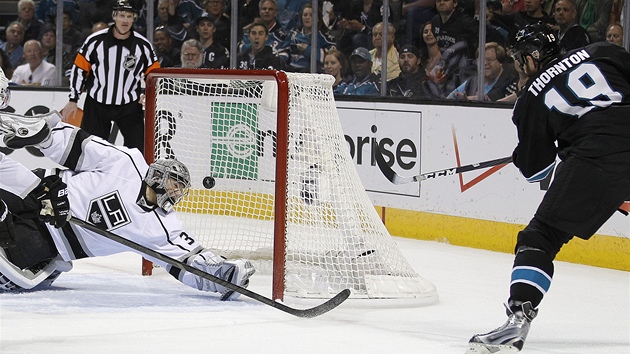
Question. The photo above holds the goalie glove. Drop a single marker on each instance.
(53, 195)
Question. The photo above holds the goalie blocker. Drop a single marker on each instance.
(28, 257)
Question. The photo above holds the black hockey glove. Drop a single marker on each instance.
(54, 198)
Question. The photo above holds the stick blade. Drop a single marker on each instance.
(388, 172)
(323, 308)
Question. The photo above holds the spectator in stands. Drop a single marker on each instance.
(248, 13)
(496, 77)
(204, 28)
(46, 11)
(298, 43)
(168, 55)
(5, 64)
(615, 12)
(614, 34)
(570, 34)
(72, 37)
(532, 13)
(35, 72)
(336, 64)
(13, 46)
(289, 13)
(332, 12)
(357, 24)
(276, 35)
(49, 44)
(215, 56)
(26, 16)
(594, 16)
(94, 11)
(409, 82)
(431, 54)
(188, 11)
(495, 30)
(192, 54)
(393, 69)
(416, 12)
(456, 36)
(512, 6)
(364, 83)
(222, 23)
(259, 55)
(167, 17)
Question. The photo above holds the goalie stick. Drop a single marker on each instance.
(395, 178)
(306, 313)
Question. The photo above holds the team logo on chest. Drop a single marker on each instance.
(108, 212)
(130, 62)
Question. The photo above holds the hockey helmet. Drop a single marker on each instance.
(170, 180)
(538, 41)
(124, 5)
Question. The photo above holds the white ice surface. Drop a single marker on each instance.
(104, 305)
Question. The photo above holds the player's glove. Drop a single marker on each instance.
(53, 194)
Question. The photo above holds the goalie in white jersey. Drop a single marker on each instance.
(113, 188)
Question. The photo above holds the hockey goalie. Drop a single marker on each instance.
(109, 186)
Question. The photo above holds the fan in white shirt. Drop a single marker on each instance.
(36, 72)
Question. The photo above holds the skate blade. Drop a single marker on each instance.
(479, 348)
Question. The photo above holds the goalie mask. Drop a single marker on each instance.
(538, 41)
(5, 94)
(170, 180)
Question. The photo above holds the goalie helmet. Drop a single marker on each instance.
(5, 94)
(538, 41)
(170, 180)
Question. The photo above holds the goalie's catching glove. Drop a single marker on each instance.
(53, 194)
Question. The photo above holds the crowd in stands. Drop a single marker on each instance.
(432, 45)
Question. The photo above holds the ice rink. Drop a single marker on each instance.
(105, 306)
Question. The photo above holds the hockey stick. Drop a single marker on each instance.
(307, 313)
(395, 178)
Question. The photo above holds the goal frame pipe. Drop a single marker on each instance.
(282, 147)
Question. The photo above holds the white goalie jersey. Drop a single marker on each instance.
(106, 188)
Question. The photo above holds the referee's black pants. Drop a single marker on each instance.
(98, 118)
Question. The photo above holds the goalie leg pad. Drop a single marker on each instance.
(7, 236)
(33, 244)
(12, 278)
(20, 131)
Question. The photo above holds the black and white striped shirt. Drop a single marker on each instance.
(111, 70)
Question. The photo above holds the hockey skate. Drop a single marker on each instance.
(240, 273)
(19, 131)
(508, 338)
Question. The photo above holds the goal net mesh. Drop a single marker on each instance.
(226, 128)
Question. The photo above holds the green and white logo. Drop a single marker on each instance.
(234, 140)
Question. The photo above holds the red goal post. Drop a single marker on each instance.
(287, 191)
(283, 109)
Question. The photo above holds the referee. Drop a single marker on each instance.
(110, 68)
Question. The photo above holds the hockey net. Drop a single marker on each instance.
(287, 192)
